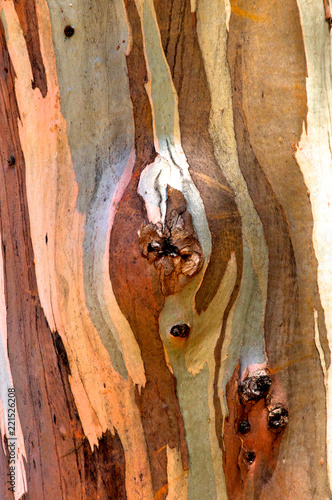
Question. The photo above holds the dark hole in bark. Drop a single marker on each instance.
(11, 161)
(69, 31)
(250, 457)
(244, 427)
(164, 249)
(180, 331)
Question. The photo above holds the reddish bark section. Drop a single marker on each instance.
(250, 457)
(136, 284)
(101, 470)
(26, 12)
(59, 460)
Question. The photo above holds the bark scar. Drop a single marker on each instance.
(172, 247)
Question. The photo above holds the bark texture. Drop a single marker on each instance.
(165, 277)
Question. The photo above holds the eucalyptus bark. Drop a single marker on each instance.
(166, 249)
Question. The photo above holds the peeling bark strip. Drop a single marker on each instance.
(174, 249)
(102, 470)
(59, 460)
(136, 284)
(26, 12)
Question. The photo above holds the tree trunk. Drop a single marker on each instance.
(166, 259)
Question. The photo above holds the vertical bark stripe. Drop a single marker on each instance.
(26, 12)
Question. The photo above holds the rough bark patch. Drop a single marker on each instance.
(250, 456)
(104, 469)
(137, 290)
(174, 249)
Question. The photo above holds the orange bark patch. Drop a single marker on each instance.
(251, 447)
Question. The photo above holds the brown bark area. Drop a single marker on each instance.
(51, 428)
(102, 470)
(251, 455)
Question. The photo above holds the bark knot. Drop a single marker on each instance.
(255, 387)
(172, 247)
(278, 418)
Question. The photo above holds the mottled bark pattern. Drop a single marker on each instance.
(60, 463)
(172, 287)
(179, 40)
(136, 284)
(284, 337)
